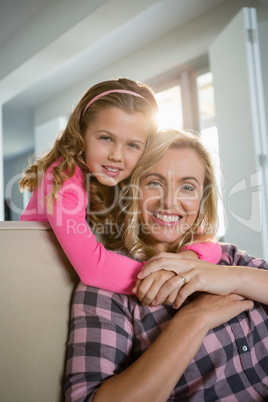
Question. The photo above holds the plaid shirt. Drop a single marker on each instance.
(109, 331)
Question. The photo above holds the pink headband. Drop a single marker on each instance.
(121, 91)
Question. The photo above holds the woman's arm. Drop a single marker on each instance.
(104, 372)
(158, 288)
(236, 273)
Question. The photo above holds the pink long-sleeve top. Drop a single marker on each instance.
(95, 265)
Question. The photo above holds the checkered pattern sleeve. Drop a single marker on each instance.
(231, 255)
(99, 343)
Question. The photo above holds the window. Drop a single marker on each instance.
(170, 108)
(172, 103)
(206, 104)
(209, 133)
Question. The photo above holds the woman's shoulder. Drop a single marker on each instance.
(232, 255)
(92, 297)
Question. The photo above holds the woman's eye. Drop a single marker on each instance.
(154, 183)
(187, 187)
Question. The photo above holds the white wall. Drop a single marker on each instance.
(242, 133)
(263, 36)
(22, 122)
(12, 174)
(45, 134)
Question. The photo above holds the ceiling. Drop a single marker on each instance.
(48, 46)
(135, 24)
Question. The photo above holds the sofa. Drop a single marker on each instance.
(36, 286)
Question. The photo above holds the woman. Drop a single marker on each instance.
(215, 346)
(181, 149)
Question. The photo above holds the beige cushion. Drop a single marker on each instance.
(36, 285)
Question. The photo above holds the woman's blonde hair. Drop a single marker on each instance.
(69, 148)
(205, 226)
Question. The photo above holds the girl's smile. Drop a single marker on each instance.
(114, 142)
(111, 171)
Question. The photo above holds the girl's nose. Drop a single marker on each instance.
(116, 154)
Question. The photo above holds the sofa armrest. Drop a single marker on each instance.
(36, 286)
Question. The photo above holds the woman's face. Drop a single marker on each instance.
(170, 196)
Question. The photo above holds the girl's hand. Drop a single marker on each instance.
(149, 291)
(159, 287)
(164, 260)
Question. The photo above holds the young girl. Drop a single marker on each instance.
(103, 141)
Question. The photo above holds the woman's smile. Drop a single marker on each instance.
(164, 218)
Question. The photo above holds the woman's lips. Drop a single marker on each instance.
(166, 219)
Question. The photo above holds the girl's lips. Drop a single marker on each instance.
(111, 171)
(166, 219)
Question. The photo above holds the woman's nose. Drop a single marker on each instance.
(170, 199)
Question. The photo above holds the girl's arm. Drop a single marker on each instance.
(101, 373)
(207, 251)
(236, 273)
(95, 265)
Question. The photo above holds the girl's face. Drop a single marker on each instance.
(114, 143)
(170, 196)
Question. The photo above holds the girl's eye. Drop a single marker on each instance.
(105, 138)
(133, 146)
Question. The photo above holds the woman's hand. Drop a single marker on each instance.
(214, 310)
(187, 276)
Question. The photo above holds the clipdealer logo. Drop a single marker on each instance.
(255, 220)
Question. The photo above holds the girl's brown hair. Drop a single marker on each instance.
(69, 148)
